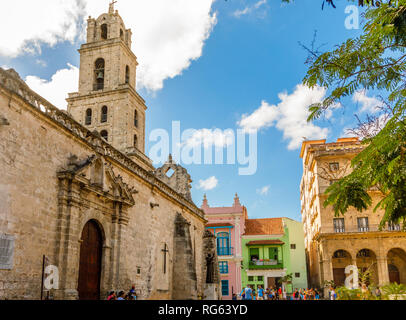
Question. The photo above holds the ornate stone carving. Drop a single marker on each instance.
(97, 175)
(180, 180)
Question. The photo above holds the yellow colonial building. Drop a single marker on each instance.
(332, 243)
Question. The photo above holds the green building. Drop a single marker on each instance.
(272, 249)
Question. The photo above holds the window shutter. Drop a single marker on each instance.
(6, 252)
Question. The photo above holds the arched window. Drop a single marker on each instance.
(340, 254)
(104, 31)
(88, 120)
(121, 34)
(99, 74)
(135, 141)
(136, 118)
(127, 74)
(105, 135)
(104, 114)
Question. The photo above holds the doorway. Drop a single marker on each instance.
(90, 262)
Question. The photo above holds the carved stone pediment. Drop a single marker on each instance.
(176, 177)
(97, 175)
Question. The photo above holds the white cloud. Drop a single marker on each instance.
(210, 137)
(368, 104)
(167, 35)
(27, 24)
(249, 9)
(56, 90)
(208, 184)
(40, 62)
(289, 116)
(263, 191)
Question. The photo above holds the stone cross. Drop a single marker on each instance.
(111, 7)
(165, 251)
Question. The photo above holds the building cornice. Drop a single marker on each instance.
(106, 44)
(123, 88)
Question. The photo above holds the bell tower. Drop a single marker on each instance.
(107, 101)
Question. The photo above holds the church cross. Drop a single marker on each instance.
(111, 7)
(165, 251)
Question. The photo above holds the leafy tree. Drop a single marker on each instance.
(375, 60)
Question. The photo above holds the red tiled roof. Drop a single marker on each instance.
(218, 225)
(264, 242)
(256, 227)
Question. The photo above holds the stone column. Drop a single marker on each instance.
(383, 272)
(67, 258)
(120, 220)
(105, 283)
(327, 270)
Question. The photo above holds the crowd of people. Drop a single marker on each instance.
(249, 293)
(131, 295)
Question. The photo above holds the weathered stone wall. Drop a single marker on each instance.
(184, 280)
(33, 149)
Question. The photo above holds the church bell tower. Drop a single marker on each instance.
(107, 101)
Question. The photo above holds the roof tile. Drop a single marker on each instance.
(264, 226)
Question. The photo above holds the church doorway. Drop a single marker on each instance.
(90, 262)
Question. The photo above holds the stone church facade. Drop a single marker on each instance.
(77, 188)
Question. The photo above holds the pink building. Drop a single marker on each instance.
(228, 225)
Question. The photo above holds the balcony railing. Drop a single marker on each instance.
(266, 264)
(339, 230)
(360, 229)
(225, 251)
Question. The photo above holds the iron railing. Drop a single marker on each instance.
(264, 265)
(361, 229)
(225, 251)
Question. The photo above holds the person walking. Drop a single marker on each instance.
(333, 295)
(112, 296)
(260, 293)
(378, 293)
(267, 293)
(121, 296)
(247, 293)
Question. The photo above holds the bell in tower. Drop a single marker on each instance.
(107, 81)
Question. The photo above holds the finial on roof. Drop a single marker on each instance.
(170, 159)
(111, 6)
(205, 202)
(237, 200)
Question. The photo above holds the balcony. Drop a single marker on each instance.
(265, 265)
(360, 229)
(225, 251)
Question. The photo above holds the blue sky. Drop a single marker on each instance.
(251, 56)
